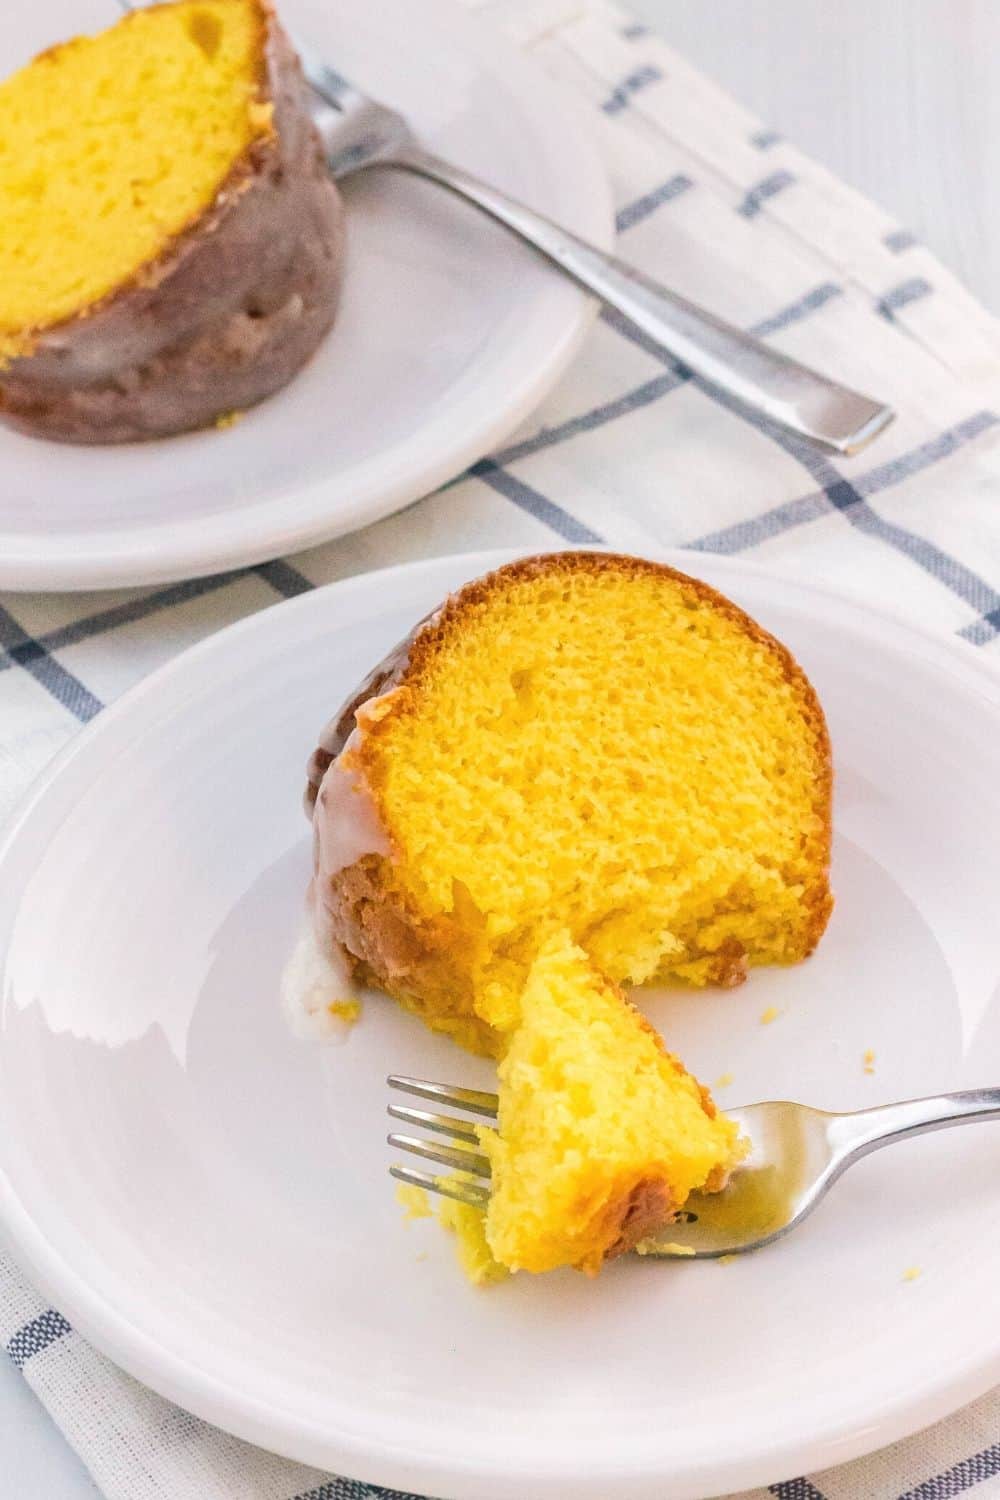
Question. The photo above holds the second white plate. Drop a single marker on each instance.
(208, 1201)
(449, 331)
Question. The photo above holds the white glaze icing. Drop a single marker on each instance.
(345, 818)
(346, 827)
(315, 977)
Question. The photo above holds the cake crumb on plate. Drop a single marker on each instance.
(346, 1010)
(771, 1014)
(414, 1202)
(912, 1273)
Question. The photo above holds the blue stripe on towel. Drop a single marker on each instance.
(961, 1477)
(913, 290)
(640, 208)
(36, 1336)
(769, 187)
(633, 84)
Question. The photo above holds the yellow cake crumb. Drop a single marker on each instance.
(346, 1010)
(869, 1061)
(227, 419)
(771, 1014)
(261, 116)
(723, 1081)
(413, 1200)
(912, 1273)
(726, 1260)
(661, 1247)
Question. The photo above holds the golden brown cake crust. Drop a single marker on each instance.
(225, 316)
(392, 948)
(403, 669)
(639, 1214)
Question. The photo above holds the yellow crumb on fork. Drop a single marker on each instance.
(771, 1014)
(869, 1061)
(658, 1247)
(912, 1273)
(723, 1081)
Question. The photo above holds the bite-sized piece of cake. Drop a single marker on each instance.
(602, 1134)
(172, 243)
(579, 744)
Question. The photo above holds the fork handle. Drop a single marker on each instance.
(857, 1134)
(788, 393)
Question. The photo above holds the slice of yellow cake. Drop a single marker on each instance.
(172, 243)
(578, 744)
(602, 1134)
(584, 771)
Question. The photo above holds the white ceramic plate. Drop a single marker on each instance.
(448, 334)
(207, 1199)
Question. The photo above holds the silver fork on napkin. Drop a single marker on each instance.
(359, 133)
(796, 1155)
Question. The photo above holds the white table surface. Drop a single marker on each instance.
(896, 96)
(38, 1464)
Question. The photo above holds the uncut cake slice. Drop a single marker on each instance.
(172, 244)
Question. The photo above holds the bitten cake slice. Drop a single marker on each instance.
(602, 1134)
(577, 744)
(172, 243)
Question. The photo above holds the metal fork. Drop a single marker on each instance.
(461, 1158)
(358, 133)
(797, 1154)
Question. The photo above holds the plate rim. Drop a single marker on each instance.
(217, 1400)
(216, 542)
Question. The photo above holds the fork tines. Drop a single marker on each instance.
(464, 1160)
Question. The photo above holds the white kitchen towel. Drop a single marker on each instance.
(633, 451)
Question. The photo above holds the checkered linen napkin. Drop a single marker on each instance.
(632, 451)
